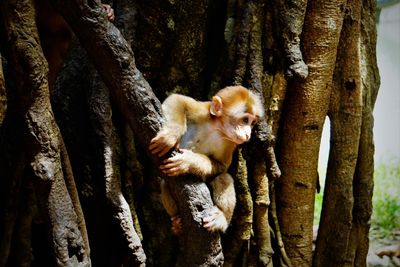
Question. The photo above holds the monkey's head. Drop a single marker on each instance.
(237, 110)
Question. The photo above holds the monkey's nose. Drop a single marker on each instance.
(244, 138)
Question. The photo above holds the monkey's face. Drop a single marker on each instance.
(237, 110)
(237, 127)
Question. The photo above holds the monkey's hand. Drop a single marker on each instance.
(176, 225)
(179, 164)
(216, 221)
(164, 141)
(109, 11)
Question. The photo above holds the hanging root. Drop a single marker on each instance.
(283, 258)
(292, 18)
(261, 206)
(241, 228)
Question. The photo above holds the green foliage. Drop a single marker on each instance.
(318, 207)
(386, 198)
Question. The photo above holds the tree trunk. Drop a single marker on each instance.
(346, 116)
(307, 104)
(44, 175)
(364, 174)
(348, 189)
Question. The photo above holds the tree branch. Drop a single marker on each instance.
(113, 58)
(292, 18)
(240, 231)
(100, 117)
(261, 207)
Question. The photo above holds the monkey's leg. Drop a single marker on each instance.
(167, 200)
(171, 208)
(224, 203)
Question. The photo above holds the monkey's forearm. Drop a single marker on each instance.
(189, 162)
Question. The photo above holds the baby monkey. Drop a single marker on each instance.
(206, 135)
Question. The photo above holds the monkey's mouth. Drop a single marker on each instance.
(236, 139)
(231, 136)
(239, 140)
(232, 139)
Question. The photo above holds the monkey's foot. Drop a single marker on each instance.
(216, 221)
(176, 225)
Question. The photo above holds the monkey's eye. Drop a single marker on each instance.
(245, 120)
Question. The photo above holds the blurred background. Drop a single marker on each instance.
(387, 109)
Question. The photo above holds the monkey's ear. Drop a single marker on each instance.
(216, 106)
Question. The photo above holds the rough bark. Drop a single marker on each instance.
(262, 132)
(132, 180)
(292, 13)
(75, 118)
(364, 174)
(307, 104)
(187, 60)
(73, 192)
(154, 36)
(283, 259)
(107, 159)
(161, 249)
(114, 60)
(345, 114)
(255, 58)
(240, 231)
(207, 251)
(261, 208)
(42, 138)
(242, 42)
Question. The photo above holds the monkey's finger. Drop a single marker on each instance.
(173, 159)
(169, 167)
(154, 144)
(172, 171)
(164, 151)
(158, 149)
(168, 160)
(170, 164)
(176, 220)
(208, 224)
(153, 149)
(111, 16)
(209, 218)
(156, 141)
(173, 167)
